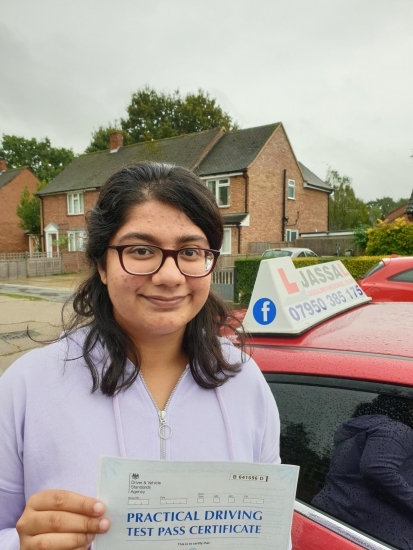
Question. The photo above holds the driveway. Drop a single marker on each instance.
(30, 313)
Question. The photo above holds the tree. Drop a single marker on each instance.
(28, 211)
(346, 211)
(153, 115)
(100, 138)
(379, 208)
(45, 161)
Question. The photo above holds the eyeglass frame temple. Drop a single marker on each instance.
(166, 253)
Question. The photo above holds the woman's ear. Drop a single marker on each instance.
(103, 276)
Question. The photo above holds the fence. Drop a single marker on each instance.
(22, 265)
(224, 282)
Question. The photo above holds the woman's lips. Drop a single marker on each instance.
(165, 302)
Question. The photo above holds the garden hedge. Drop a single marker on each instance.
(247, 269)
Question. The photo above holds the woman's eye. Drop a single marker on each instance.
(140, 251)
(191, 253)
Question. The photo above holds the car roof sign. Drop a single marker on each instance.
(290, 300)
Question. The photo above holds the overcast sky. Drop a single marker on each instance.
(336, 73)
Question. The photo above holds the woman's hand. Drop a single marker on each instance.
(61, 520)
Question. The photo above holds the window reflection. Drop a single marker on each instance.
(355, 452)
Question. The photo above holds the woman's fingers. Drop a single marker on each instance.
(55, 541)
(57, 499)
(59, 521)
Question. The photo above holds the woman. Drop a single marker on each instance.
(140, 371)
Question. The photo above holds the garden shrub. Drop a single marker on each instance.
(390, 238)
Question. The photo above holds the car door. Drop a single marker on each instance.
(331, 511)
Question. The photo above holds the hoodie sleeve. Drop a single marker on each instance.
(387, 448)
(12, 499)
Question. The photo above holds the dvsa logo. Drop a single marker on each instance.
(264, 311)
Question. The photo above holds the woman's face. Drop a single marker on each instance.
(163, 303)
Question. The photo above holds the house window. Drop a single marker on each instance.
(291, 235)
(226, 243)
(75, 203)
(76, 241)
(220, 188)
(291, 189)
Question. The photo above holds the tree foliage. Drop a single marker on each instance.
(45, 161)
(346, 211)
(153, 115)
(390, 238)
(379, 208)
(28, 210)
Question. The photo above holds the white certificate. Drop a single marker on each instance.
(168, 505)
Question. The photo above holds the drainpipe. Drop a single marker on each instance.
(42, 221)
(239, 238)
(246, 190)
(283, 220)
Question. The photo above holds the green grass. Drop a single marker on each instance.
(32, 298)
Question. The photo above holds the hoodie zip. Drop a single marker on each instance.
(164, 430)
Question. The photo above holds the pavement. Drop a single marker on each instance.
(30, 312)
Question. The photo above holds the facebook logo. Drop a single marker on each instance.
(264, 311)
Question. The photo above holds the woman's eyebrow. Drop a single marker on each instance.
(152, 239)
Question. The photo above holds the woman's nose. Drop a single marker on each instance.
(168, 274)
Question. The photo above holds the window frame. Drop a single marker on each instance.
(218, 184)
(291, 188)
(288, 234)
(71, 197)
(227, 231)
(76, 236)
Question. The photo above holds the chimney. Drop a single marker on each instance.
(3, 165)
(115, 141)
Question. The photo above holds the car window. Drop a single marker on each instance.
(311, 254)
(403, 277)
(375, 268)
(301, 255)
(276, 254)
(353, 442)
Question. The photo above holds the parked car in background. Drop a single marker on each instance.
(390, 280)
(340, 368)
(292, 252)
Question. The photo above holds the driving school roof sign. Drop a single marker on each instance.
(290, 301)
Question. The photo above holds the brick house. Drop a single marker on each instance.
(12, 184)
(264, 193)
(405, 211)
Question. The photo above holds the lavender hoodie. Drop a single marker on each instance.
(53, 430)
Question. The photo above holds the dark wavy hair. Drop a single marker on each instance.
(125, 189)
(395, 407)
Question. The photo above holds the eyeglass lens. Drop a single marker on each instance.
(143, 259)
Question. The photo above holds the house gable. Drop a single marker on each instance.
(12, 183)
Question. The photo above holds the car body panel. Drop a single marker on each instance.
(308, 534)
(348, 331)
(380, 286)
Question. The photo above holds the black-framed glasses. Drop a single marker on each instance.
(147, 259)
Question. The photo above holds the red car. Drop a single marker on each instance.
(391, 280)
(344, 389)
